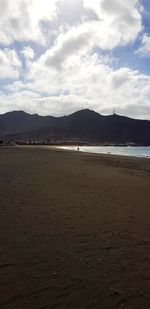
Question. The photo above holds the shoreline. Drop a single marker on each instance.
(76, 152)
(103, 153)
(131, 162)
(66, 148)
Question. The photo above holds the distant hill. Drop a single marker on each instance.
(84, 125)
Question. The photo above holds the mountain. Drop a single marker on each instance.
(84, 125)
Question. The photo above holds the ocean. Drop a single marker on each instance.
(131, 151)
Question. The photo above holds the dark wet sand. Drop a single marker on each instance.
(74, 230)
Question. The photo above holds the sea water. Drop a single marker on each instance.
(114, 150)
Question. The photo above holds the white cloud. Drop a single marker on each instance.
(88, 81)
(76, 40)
(71, 72)
(21, 19)
(120, 21)
(118, 24)
(144, 50)
(9, 64)
(28, 53)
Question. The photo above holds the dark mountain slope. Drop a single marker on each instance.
(19, 121)
(85, 125)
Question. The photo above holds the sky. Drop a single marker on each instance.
(60, 56)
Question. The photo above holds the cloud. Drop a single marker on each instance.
(21, 20)
(28, 53)
(67, 51)
(9, 64)
(75, 41)
(120, 21)
(88, 81)
(144, 50)
(123, 76)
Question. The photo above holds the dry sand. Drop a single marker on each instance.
(74, 230)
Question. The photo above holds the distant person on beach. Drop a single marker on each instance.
(78, 148)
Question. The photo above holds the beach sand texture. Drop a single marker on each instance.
(74, 230)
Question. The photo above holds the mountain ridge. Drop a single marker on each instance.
(86, 125)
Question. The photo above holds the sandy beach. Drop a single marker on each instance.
(74, 230)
